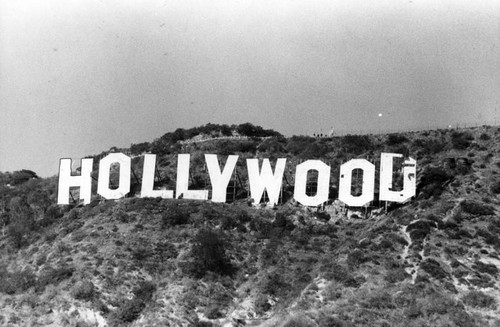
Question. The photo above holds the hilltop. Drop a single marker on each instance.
(433, 261)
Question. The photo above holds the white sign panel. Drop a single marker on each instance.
(409, 178)
(124, 180)
(265, 179)
(183, 181)
(148, 176)
(84, 181)
(299, 193)
(368, 186)
(219, 179)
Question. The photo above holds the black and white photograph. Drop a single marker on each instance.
(225, 163)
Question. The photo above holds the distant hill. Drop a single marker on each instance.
(434, 261)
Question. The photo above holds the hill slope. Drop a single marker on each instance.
(151, 262)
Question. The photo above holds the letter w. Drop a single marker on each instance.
(265, 179)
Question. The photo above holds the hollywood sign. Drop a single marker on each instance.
(260, 179)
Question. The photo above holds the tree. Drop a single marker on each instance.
(22, 176)
(22, 221)
(209, 253)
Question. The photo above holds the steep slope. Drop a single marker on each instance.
(152, 262)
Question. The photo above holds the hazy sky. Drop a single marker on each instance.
(77, 77)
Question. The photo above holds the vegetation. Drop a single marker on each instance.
(157, 262)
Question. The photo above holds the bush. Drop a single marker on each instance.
(274, 284)
(420, 229)
(213, 311)
(201, 323)
(18, 234)
(299, 321)
(355, 258)
(461, 141)
(53, 276)
(17, 281)
(431, 182)
(487, 268)
(144, 291)
(476, 208)
(209, 254)
(273, 146)
(83, 290)
(433, 268)
(165, 250)
(479, 299)
(495, 187)
(248, 129)
(261, 304)
(297, 144)
(175, 216)
(429, 146)
(356, 144)
(395, 139)
(379, 300)
(329, 321)
(396, 275)
(128, 311)
(484, 137)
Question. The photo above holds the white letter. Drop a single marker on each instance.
(183, 181)
(346, 179)
(148, 176)
(265, 179)
(220, 180)
(409, 178)
(84, 181)
(124, 173)
(299, 192)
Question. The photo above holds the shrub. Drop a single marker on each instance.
(355, 258)
(261, 304)
(53, 212)
(165, 250)
(297, 144)
(18, 234)
(476, 208)
(144, 290)
(379, 300)
(495, 187)
(209, 254)
(461, 141)
(274, 284)
(420, 229)
(213, 311)
(429, 146)
(128, 311)
(22, 176)
(53, 276)
(433, 268)
(248, 129)
(395, 139)
(201, 323)
(298, 321)
(484, 137)
(329, 321)
(83, 290)
(356, 144)
(175, 216)
(479, 299)
(272, 146)
(396, 275)
(17, 281)
(431, 182)
(487, 268)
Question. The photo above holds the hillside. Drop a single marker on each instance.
(433, 261)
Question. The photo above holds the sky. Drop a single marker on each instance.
(79, 77)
